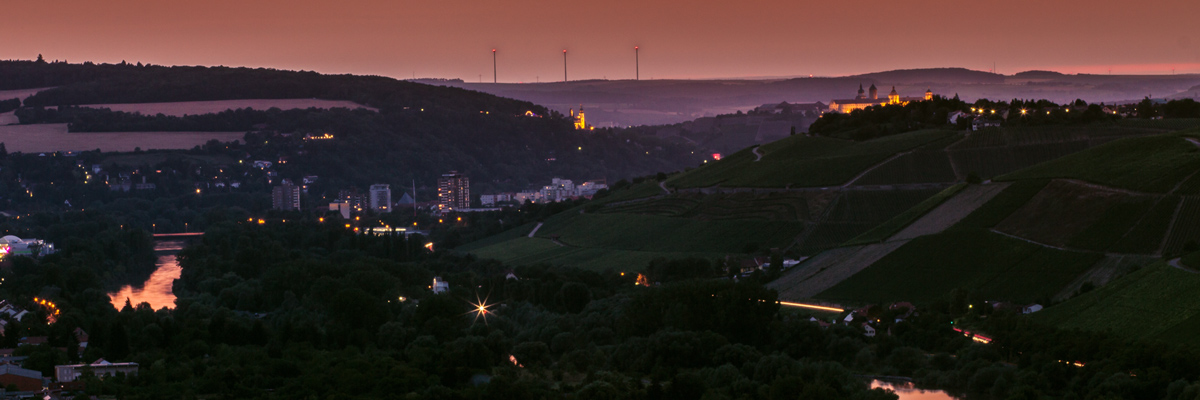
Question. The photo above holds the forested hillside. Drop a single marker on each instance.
(419, 131)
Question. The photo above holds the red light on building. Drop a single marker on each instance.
(717, 156)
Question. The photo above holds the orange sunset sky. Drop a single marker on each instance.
(678, 39)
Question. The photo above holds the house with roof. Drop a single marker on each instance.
(25, 380)
(868, 330)
(100, 368)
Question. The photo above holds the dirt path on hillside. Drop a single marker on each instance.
(535, 229)
(829, 268)
(951, 211)
(663, 186)
(757, 156)
(1176, 263)
(873, 167)
(1194, 141)
(1171, 226)
(1110, 254)
(1103, 272)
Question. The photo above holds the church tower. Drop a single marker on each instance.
(874, 92)
(861, 94)
(580, 121)
(928, 94)
(893, 97)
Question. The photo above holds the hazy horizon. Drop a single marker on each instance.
(706, 40)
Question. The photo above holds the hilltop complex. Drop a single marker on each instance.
(864, 100)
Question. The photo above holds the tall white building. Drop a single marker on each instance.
(381, 198)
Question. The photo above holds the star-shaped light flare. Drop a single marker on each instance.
(480, 309)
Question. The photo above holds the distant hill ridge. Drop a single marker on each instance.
(88, 83)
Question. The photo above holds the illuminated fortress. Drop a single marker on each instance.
(864, 100)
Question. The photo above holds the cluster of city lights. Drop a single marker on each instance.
(50, 306)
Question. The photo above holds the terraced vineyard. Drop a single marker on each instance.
(804, 162)
(1187, 227)
(885, 230)
(1069, 214)
(654, 233)
(989, 162)
(992, 265)
(667, 206)
(531, 251)
(785, 206)
(858, 211)
(916, 167)
(1155, 164)
(1156, 302)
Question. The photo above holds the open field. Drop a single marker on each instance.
(1154, 302)
(54, 137)
(1154, 164)
(9, 118)
(997, 267)
(179, 109)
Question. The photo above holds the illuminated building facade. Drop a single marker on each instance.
(354, 199)
(454, 192)
(12, 245)
(381, 198)
(579, 119)
(285, 197)
(866, 99)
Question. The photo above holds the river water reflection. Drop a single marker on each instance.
(906, 391)
(157, 289)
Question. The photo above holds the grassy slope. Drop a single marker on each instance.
(655, 233)
(801, 161)
(889, 228)
(995, 266)
(1192, 260)
(1149, 164)
(529, 251)
(1155, 302)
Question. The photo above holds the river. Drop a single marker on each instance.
(157, 289)
(907, 391)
